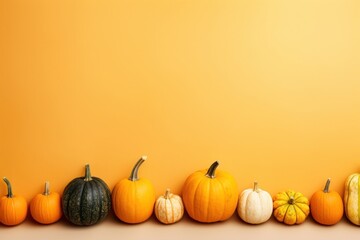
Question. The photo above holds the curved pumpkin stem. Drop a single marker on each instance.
(87, 173)
(9, 188)
(134, 172)
(327, 185)
(47, 189)
(211, 171)
(291, 200)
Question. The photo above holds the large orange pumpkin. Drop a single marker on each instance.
(210, 197)
(133, 198)
(13, 208)
(45, 207)
(326, 206)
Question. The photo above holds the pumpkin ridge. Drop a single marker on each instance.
(71, 187)
(223, 188)
(300, 208)
(208, 203)
(262, 204)
(95, 199)
(348, 192)
(296, 214)
(287, 208)
(277, 201)
(99, 190)
(99, 200)
(172, 210)
(102, 191)
(134, 197)
(193, 203)
(81, 200)
(13, 207)
(168, 201)
(288, 195)
(88, 194)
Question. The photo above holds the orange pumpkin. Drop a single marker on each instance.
(13, 208)
(45, 208)
(133, 198)
(210, 197)
(326, 206)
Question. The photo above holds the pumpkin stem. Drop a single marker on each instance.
(327, 185)
(255, 186)
(47, 189)
(211, 171)
(291, 200)
(8, 184)
(134, 172)
(167, 193)
(87, 173)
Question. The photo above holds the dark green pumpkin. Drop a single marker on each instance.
(86, 200)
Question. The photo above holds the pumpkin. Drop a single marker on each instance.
(86, 200)
(133, 198)
(45, 207)
(13, 208)
(255, 205)
(352, 198)
(291, 207)
(169, 208)
(210, 197)
(326, 206)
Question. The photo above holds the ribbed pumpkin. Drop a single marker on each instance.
(291, 207)
(45, 207)
(13, 208)
(255, 205)
(352, 198)
(210, 197)
(133, 198)
(326, 206)
(86, 200)
(169, 208)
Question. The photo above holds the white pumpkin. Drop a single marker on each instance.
(255, 205)
(169, 208)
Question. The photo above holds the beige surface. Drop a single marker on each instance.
(186, 229)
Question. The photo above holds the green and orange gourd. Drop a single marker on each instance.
(290, 207)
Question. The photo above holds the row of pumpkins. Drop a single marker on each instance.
(207, 196)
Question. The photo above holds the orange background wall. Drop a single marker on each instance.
(269, 88)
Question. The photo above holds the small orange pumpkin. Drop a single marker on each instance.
(208, 197)
(326, 206)
(133, 198)
(13, 208)
(45, 208)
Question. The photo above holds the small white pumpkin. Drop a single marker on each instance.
(255, 205)
(169, 208)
